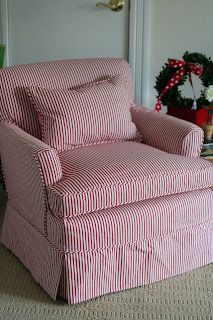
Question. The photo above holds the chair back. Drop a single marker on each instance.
(15, 105)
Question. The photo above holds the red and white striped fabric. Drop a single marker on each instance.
(125, 242)
(143, 220)
(168, 243)
(33, 249)
(107, 175)
(168, 133)
(29, 166)
(90, 114)
(15, 105)
(93, 273)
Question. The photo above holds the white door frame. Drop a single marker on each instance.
(139, 48)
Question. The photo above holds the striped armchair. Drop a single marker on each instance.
(103, 195)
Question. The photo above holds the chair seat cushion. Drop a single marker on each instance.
(112, 174)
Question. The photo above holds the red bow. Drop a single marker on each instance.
(184, 68)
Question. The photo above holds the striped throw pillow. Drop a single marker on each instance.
(95, 113)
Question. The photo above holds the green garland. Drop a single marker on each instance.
(174, 97)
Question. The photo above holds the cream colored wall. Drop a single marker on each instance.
(174, 27)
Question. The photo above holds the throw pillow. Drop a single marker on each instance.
(95, 113)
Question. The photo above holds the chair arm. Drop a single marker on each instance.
(168, 133)
(29, 166)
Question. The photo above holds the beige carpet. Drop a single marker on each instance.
(189, 296)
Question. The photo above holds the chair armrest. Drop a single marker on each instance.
(168, 133)
(29, 166)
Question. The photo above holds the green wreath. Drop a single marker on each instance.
(173, 97)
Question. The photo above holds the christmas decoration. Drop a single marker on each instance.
(175, 73)
(209, 93)
(208, 127)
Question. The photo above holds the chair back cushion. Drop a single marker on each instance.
(94, 113)
(15, 105)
